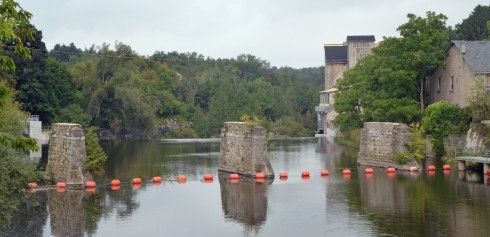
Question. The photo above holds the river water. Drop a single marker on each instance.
(404, 204)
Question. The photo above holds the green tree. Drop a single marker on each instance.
(96, 157)
(388, 85)
(475, 26)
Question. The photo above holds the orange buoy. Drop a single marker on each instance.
(259, 175)
(90, 190)
(181, 177)
(137, 185)
(283, 175)
(61, 185)
(346, 172)
(324, 172)
(136, 181)
(208, 177)
(115, 182)
(414, 169)
(32, 185)
(283, 178)
(431, 168)
(115, 187)
(446, 167)
(234, 176)
(157, 179)
(369, 170)
(305, 173)
(391, 170)
(90, 184)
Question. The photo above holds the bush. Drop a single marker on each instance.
(402, 158)
(96, 156)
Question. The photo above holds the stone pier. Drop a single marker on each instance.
(243, 150)
(380, 142)
(67, 155)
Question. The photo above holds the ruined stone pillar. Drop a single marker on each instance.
(461, 165)
(66, 155)
(243, 150)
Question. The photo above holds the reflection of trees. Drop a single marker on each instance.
(245, 202)
(22, 223)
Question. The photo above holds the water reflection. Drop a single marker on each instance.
(245, 201)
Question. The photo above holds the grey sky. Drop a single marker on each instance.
(284, 32)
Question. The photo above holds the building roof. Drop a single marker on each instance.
(369, 38)
(477, 54)
(336, 53)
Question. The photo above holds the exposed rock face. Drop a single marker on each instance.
(379, 143)
(66, 155)
(243, 150)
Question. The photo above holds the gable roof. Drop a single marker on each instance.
(477, 54)
(336, 53)
(369, 38)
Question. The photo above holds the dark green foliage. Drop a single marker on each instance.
(475, 26)
(388, 85)
(96, 157)
(441, 120)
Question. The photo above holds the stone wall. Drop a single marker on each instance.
(66, 154)
(379, 143)
(243, 150)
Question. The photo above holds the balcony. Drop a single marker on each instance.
(323, 108)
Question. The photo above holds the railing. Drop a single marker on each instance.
(33, 118)
(323, 108)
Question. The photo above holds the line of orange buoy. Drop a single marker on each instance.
(305, 174)
(369, 170)
(324, 172)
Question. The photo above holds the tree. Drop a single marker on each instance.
(388, 85)
(96, 157)
(475, 26)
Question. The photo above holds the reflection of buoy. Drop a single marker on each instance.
(181, 177)
(432, 172)
(90, 189)
(283, 178)
(488, 173)
(90, 184)
(157, 179)
(61, 185)
(115, 187)
(283, 175)
(414, 169)
(446, 167)
(208, 177)
(369, 175)
(137, 185)
(137, 181)
(208, 181)
(324, 172)
(391, 170)
(181, 181)
(346, 172)
(369, 170)
(446, 172)
(259, 175)
(431, 168)
(234, 176)
(32, 185)
(234, 181)
(391, 174)
(61, 190)
(305, 173)
(259, 180)
(156, 183)
(305, 177)
(115, 182)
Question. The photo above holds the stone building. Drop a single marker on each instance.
(338, 59)
(466, 61)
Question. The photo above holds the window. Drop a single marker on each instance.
(451, 87)
(438, 84)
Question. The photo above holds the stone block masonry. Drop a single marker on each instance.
(67, 154)
(243, 150)
(379, 143)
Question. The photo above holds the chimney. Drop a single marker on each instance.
(463, 47)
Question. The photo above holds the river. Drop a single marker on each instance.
(443, 203)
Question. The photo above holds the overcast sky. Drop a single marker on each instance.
(284, 32)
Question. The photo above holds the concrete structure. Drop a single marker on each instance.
(453, 82)
(485, 160)
(380, 142)
(33, 129)
(243, 150)
(338, 59)
(66, 155)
